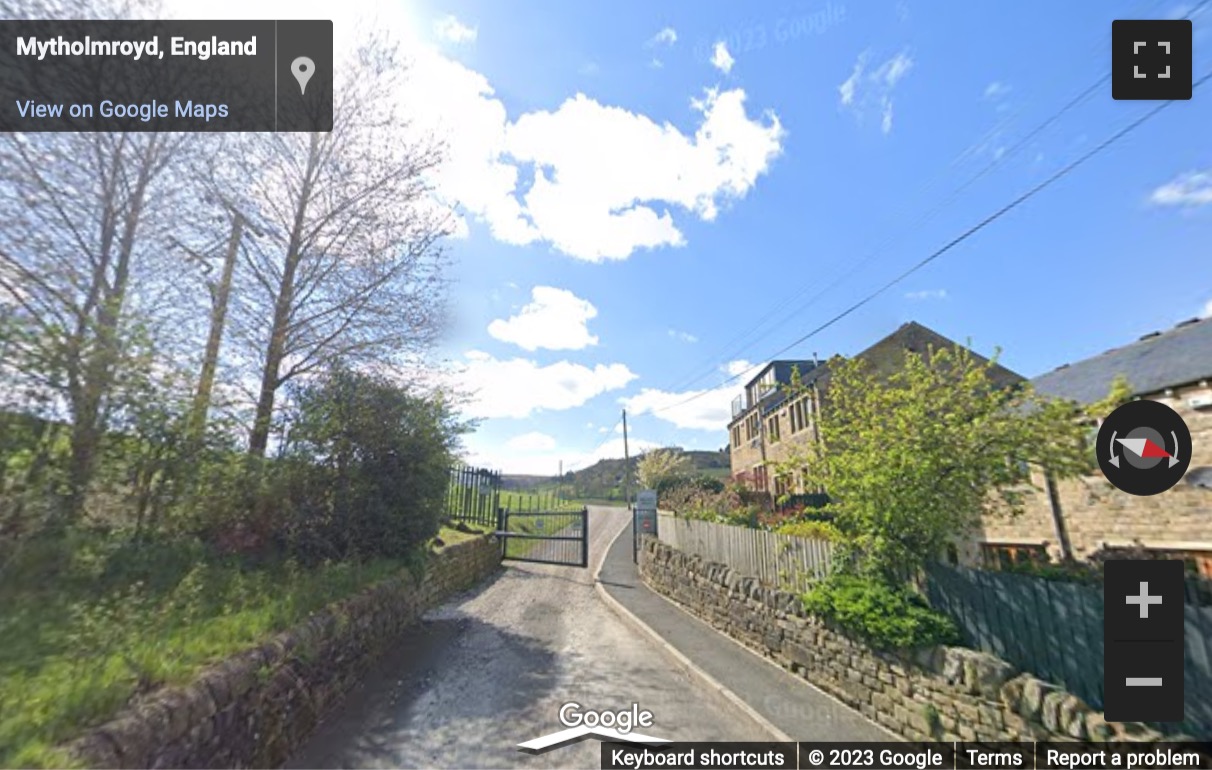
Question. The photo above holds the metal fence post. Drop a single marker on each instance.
(585, 536)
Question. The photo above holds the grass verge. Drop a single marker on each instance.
(86, 626)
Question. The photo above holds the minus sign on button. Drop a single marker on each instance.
(1144, 681)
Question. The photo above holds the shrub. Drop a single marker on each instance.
(816, 530)
(368, 464)
(702, 483)
(732, 505)
(886, 617)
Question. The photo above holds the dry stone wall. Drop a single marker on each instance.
(937, 693)
(254, 709)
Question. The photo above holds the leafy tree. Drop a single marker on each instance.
(1119, 394)
(912, 458)
(662, 465)
(371, 464)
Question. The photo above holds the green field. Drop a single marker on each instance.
(562, 524)
(545, 500)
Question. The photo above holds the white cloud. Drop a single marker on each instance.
(450, 29)
(710, 409)
(683, 336)
(705, 409)
(533, 441)
(866, 92)
(926, 294)
(667, 36)
(519, 387)
(607, 181)
(1194, 188)
(996, 90)
(850, 85)
(1207, 311)
(738, 367)
(721, 59)
(597, 167)
(555, 319)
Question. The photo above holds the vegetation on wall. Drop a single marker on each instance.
(883, 615)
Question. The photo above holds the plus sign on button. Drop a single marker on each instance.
(1143, 640)
(1151, 59)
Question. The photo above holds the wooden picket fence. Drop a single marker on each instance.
(781, 561)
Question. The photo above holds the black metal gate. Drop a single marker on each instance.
(548, 537)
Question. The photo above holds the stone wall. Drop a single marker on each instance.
(254, 709)
(1095, 514)
(938, 693)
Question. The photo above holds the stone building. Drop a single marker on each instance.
(1079, 517)
(767, 427)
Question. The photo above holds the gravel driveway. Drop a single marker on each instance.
(491, 668)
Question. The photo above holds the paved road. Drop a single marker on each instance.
(491, 669)
(786, 701)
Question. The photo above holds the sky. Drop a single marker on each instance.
(655, 198)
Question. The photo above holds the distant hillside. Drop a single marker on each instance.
(604, 479)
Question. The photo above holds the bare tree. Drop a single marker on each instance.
(85, 216)
(84, 270)
(348, 267)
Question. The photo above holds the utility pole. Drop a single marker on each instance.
(560, 483)
(626, 465)
(220, 296)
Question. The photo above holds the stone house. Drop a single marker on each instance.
(767, 427)
(1079, 517)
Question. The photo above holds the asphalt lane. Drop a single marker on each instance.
(782, 698)
(491, 668)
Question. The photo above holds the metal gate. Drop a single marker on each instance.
(548, 537)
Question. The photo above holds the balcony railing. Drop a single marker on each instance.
(738, 405)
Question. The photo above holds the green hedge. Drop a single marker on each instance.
(886, 617)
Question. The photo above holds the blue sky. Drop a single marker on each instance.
(635, 196)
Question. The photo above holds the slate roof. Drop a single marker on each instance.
(782, 370)
(1157, 361)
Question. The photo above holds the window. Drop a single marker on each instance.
(753, 426)
(1001, 556)
(772, 429)
(801, 414)
(736, 435)
(781, 486)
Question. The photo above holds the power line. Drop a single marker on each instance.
(593, 454)
(1057, 176)
(745, 339)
